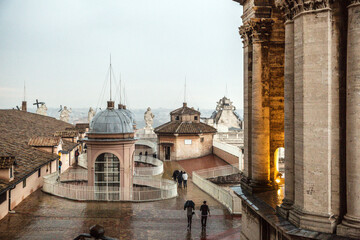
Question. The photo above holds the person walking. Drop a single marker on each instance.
(189, 206)
(204, 209)
(175, 174)
(180, 179)
(185, 178)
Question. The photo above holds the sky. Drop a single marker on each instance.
(60, 50)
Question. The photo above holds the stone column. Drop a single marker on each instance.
(316, 118)
(245, 35)
(260, 145)
(289, 112)
(350, 226)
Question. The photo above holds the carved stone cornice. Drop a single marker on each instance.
(245, 33)
(291, 8)
(261, 29)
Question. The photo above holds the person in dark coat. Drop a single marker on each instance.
(180, 179)
(204, 209)
(189, 206)
(175, 174)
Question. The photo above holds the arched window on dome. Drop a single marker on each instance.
(107, 177)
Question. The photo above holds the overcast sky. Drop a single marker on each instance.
(61, 49)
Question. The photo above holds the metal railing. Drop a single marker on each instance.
(224, 196)
(158, 166)
(73, 185)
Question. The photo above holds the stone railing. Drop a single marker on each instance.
(158, 166)
(231, 149)
(73, 185)
(224, 196)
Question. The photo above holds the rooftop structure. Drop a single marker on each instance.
(184, 136)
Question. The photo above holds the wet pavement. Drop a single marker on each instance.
(42, 216)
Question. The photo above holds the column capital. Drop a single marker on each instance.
(354, 2)
(292, 8)
(261, 29)
(245, 33)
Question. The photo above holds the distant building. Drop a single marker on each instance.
(28, 151)
(184, 136)
(224, 118)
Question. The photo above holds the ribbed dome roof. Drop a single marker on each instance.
(112, 121)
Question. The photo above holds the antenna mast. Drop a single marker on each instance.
(110, 77)
(24, 91)
(185, 91)
(120, 88)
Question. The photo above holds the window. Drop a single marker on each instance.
(24, 183)
(196, 117)
(39, 172)
(188, 141)
(3, 197)
(11, 172)
(177, 118)
(202, 139)
(107, 177)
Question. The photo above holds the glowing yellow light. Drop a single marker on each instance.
(279, 191)
(277, 180)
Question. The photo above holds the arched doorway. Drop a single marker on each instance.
(107, 177)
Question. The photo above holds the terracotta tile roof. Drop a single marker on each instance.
(6, 162)
(184, 128)
(184, 110)
(81, 125)
(67, 133)
(68, 146)
(44, 141)
(16, 128)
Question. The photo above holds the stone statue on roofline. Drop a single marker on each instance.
(65, 114)
(149, 118)
(91, 114)
(42, 110)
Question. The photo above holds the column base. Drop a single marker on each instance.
(349, 227)
(256, 186)
(285, 208)
(310, 221)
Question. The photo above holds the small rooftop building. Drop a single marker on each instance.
(184, 136)
(110, 153)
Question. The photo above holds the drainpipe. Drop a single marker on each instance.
(11, 188)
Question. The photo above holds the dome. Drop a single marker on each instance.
(112, 121)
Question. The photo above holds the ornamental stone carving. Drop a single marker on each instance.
(291, 8)
(149, 118)
(245, 33)
(261, 29)
(91, 114)
(354, 1)
(42, 110)
(65, 114)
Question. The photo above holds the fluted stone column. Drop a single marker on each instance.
(289, 118)
(245, 33)
(260, 145)
(350, 226)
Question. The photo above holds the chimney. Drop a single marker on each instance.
(124, 106)
(110, 104)
(24, 106)
(184, 104)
